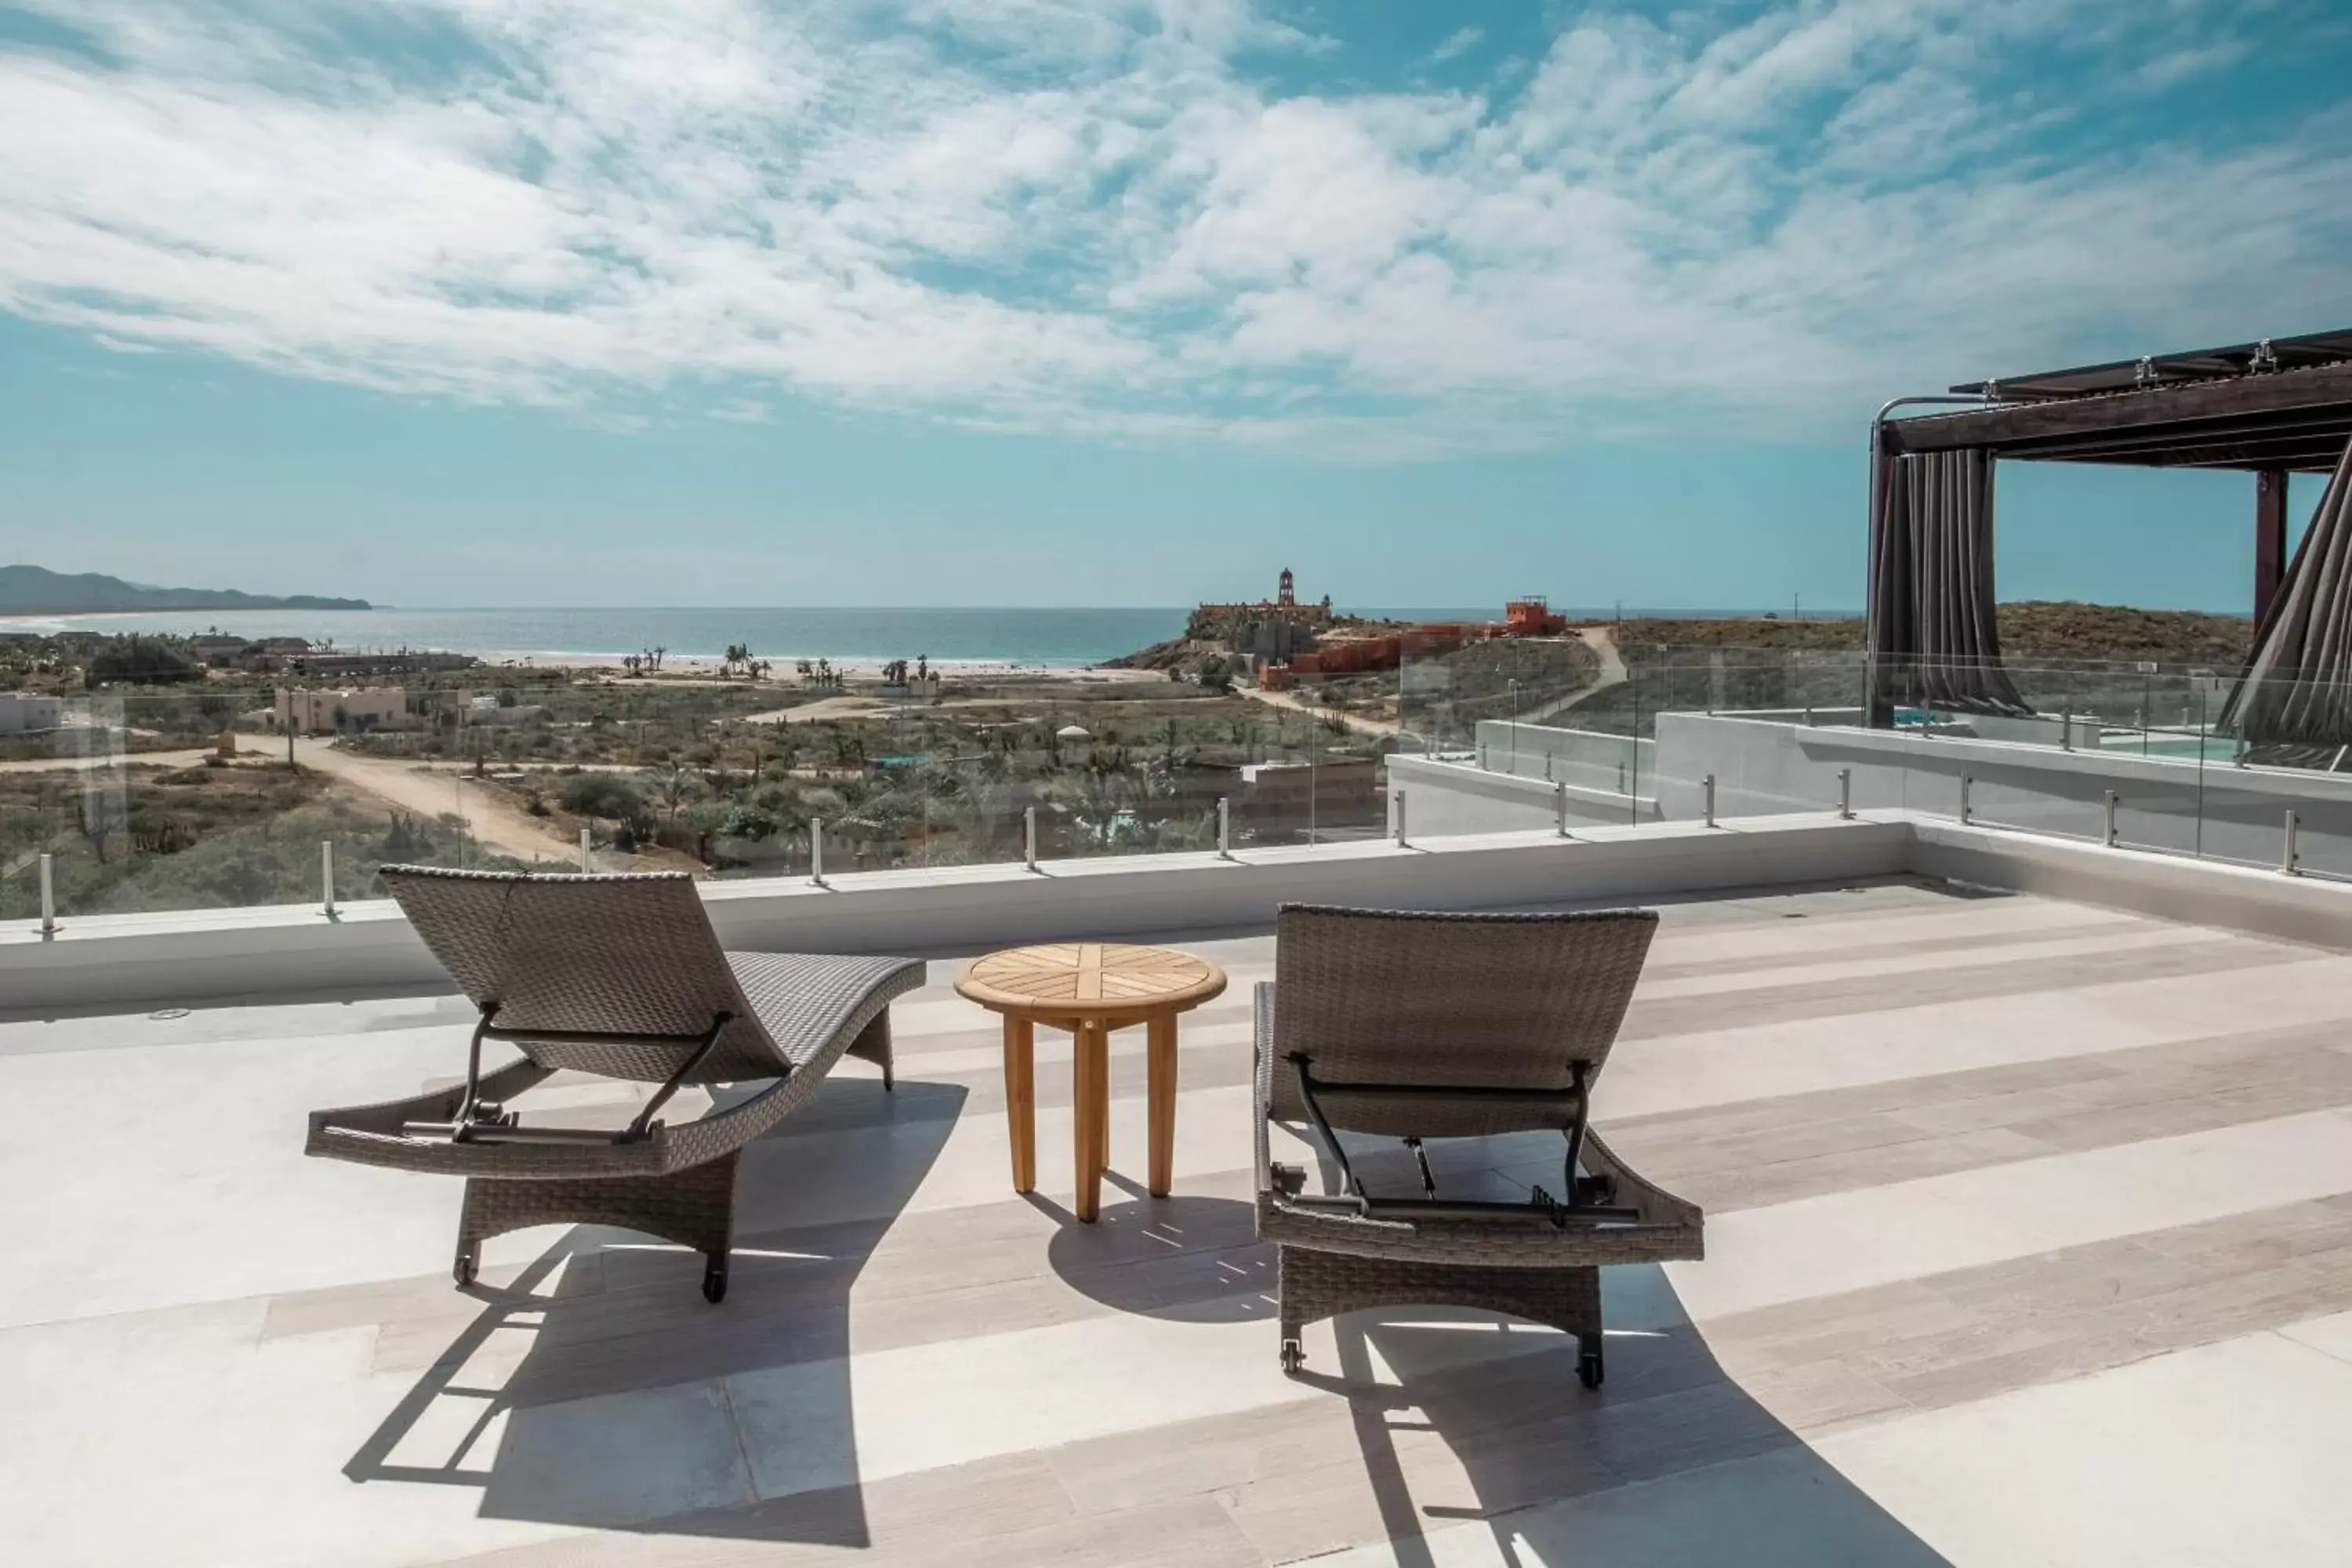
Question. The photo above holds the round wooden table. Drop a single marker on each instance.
(1089, 988)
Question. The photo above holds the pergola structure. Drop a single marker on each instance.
(2273, 407)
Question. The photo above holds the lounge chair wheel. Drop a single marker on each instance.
(1294, 1358)
(463, 1271)
(714, 1281)
(1589, 1369)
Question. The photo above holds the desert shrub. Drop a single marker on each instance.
(603, 794)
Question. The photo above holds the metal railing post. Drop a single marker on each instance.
(2066, 730)
(1846, 795)
(48, 896)
(1029, 837)
(1559, 808)
(1965, 816)
(816, 850)
(2288, 855)
(1225, 828)
(1400, 819)
(587, 852)
(327, 875)
(2112, 836)
(1709, 785)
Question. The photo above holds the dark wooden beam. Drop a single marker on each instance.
(2270, 539)
(2330, 423)
(2208, 403)
(2314, 452)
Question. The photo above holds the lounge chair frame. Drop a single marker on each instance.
(479, 1120)
(1352, 1197)
(1375, 990)
(778, 1019)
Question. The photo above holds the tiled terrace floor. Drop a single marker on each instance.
(2030, 1234)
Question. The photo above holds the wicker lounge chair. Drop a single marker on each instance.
(620, 976)
(1447, 1026)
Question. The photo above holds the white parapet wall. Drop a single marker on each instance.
(1766, 763)
(2210, 809)
(1447, 797)
(115, 962)
(1594, 760)
(110, 961)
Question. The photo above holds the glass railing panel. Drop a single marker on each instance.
(2046, 801)
(145, 806)
(1749, 742)
(2323, 825)
(1341, 748)
(2252, 790)
(155, 804)
(41, 815)
(1274, 798)
(2240, 818)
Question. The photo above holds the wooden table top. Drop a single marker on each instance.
(1090, 980)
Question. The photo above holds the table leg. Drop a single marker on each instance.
(1163, 1101)
(1020, 1100)
(1091, 1058)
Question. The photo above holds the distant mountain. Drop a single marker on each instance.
(36, 590)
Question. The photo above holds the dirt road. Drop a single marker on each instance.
(1363, 723)
(490, 816)
(1613, 673)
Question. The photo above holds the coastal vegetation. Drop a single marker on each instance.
(207, 836)
(185, 794)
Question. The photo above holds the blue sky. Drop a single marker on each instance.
(1030, 301)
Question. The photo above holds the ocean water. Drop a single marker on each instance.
(1012, 636)
(1053, 637)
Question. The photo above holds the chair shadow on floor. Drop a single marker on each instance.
(1465, 1420)
(598, 1388)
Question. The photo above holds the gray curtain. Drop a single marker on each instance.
(1932, 641)
(2296, 689)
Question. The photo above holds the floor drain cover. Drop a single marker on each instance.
(169, 1013)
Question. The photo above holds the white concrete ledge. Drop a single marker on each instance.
(2144, 881)
(152, 960)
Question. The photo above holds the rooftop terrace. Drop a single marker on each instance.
(2029, 1239)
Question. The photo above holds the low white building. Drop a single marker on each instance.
(24, 713)
(486, 708)
(350, 708)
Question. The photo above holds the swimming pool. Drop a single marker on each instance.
(2212, 748)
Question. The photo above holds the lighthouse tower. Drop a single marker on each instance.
(1288, 598)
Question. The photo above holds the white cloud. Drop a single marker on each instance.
(1100, 219)
(1459, 43)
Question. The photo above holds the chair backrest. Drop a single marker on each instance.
(1448, 1001)
(626, 953)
